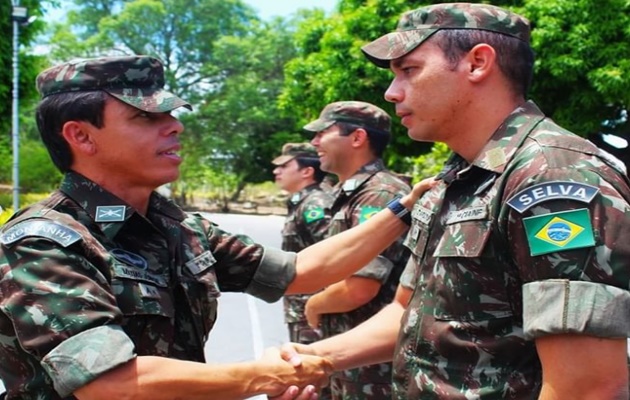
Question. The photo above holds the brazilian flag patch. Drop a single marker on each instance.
(367, 212)
(313, 214)
(559, 231)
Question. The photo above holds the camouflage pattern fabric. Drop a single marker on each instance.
(81, 259)
(468, 330)
(414, 27)
(356, 200)
(307, 222)
(353, 112)
(135, 80)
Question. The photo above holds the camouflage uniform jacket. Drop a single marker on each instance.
(87, 283)
(306, 223)
(505, 250)
(358, 198)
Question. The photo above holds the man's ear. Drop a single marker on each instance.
(359, 137)
(308, 172)
(480, 61)
(78, 134)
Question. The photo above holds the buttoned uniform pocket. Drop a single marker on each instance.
(469, 281)
(148, 311)
(142, 294)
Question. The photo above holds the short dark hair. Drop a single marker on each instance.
(57, 109)
(514, 56)
(313, 162)
(378, 139)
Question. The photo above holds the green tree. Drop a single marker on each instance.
(29, 66)
(582, 62)
(171, 30)
(238, 128)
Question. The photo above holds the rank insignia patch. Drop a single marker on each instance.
(313, 214)
(110, 213)
(367, 212)
(559, 231)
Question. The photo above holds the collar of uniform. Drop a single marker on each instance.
(298, 196)
(91, 196)
(161, 205)
(509, 137)
(363, 174)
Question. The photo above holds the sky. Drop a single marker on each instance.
(270, 8)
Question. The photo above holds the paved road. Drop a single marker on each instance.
(245, 325)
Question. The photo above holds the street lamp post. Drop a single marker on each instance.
(19, 15)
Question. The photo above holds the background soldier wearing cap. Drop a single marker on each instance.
(517, 287)
(107, 289)
(298, 172)
(350, 137)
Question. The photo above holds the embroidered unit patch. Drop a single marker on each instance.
(559, 231)
(531, 196)
(52, 230)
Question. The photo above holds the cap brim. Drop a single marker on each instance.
(318, 125)
(395, 45)
(281, 160)
(154, 101)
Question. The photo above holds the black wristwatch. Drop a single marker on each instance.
(400, 211)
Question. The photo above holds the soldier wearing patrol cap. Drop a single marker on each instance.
(517, 287)
(350, 137)
(107, 289)
(297, 171)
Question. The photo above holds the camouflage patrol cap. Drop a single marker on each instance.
(135, 80)
(354, 112)
(293, 150)
(414, 27)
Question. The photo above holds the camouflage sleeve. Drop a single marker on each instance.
(59, 304)
(567, 230)
(361, 208)
(244, 266)
(409, 277)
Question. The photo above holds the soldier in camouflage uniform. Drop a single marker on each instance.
(350, 137)
(517, 287)
(109, 290)
(297, 171)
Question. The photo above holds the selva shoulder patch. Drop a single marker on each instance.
(52, 230)
(555, 190)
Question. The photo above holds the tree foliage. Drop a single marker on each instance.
(29, 65)
(254, 84)
(583, 64)
(582, 49)
(238, 127)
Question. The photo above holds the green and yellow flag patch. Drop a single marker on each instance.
(313, 214)
(367, 212)
(559, 231)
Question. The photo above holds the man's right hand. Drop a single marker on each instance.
(300, 372)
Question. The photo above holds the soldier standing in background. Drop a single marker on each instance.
(298, 172)
(350, 137)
